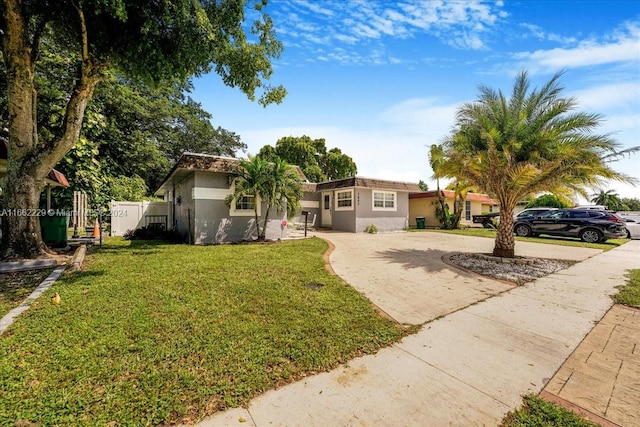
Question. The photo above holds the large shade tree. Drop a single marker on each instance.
(153, 41)
(533, 141)
(312, 156)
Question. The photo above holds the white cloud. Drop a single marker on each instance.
(334, 23)
(622, 46)
(603, 97)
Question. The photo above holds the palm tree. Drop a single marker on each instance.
(250, 179)
(275, 184)
(532, 142)
(607, 198)
(281, 187)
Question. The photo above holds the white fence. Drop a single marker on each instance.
(131, 215)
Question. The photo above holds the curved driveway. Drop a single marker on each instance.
(404, 275)
(466, 368)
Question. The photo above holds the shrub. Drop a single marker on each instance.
(371, 229)
(151, 233)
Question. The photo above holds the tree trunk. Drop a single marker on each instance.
(29, 161)
(505, 243)
(21, 222)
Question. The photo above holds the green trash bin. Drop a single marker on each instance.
(54, 230)
(420, 222)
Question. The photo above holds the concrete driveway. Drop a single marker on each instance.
(467, 368)
(404, 274)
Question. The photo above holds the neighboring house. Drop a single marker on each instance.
(195, 190)
(351, 204)
(424, 205)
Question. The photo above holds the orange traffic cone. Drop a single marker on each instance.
(96, 229)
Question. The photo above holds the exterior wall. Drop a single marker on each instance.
(184, 214)
(385, 221)
(424, 207)
(214, 222)
(311, 202)
(343, 220)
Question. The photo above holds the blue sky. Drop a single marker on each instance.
(382, 80)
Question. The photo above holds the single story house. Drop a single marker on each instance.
(423, 204)
(195, 190)
(196, 187)
(352, 204)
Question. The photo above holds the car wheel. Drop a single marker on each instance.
(523, 230)
(628, 233)
(591, 235)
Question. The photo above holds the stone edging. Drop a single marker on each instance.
(78, 258)
(446, 258)
(8, 320)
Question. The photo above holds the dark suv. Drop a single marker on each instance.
(587, 224)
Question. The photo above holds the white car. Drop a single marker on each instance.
(632, 225)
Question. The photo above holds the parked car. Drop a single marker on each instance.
(631, 225)
(531, 212)
(589, 225)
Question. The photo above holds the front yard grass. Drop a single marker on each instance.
(152, 333)
(16, 287)
(629, 294)
(554, 240)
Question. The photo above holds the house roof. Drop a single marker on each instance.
(191, 162)
(376, 184)
(55, 178)
(483, 198)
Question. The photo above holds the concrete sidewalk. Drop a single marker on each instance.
(600, 379)
(469, 367)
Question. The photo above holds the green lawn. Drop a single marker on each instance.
(152, 333)
(565, 241)
(15, 287)
(536, 412)
(629, 294)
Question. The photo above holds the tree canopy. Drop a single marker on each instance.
(312, 156)
(156, 42)
(533, 141)
(549, 201)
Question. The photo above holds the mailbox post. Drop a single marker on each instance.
(306, 217)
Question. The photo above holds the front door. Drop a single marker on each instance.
(326, 209)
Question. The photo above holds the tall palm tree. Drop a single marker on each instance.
(607, 198)
(532, 142)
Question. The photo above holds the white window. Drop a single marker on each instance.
(467, 210)
(384, 201)
(245, 203)
(344, 200)
(244, 207)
